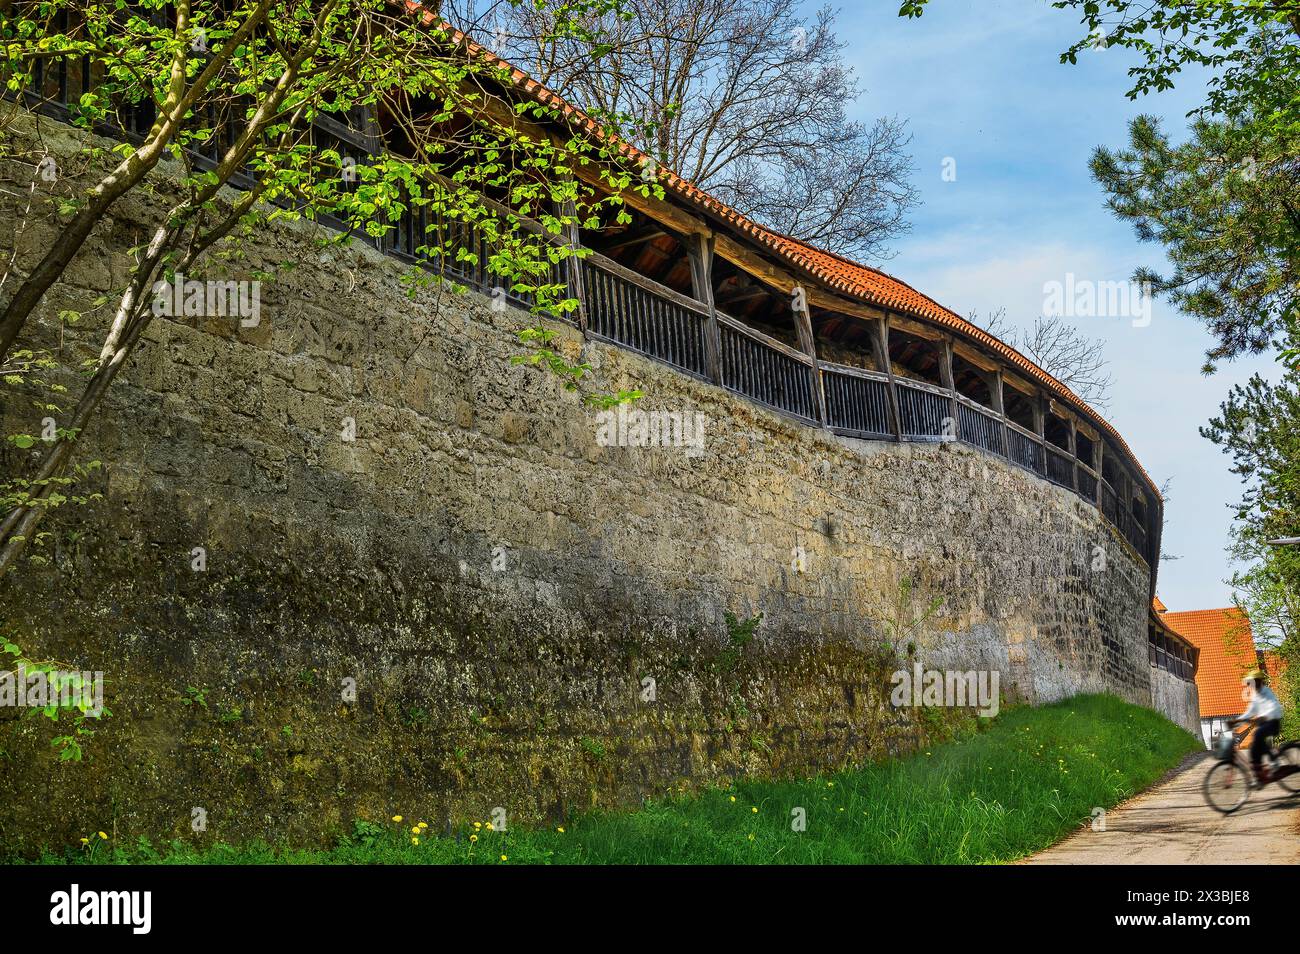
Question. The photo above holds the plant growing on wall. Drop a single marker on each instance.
(904, 621)
(740, 633)
(270, 96)
(65, 697)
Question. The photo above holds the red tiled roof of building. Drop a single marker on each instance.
(1227, 653)
(1158, 606)
(860, 281)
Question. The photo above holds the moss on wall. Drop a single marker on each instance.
(497, 583)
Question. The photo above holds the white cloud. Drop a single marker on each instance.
(1160, 398)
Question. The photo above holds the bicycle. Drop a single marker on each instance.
(1229, 783)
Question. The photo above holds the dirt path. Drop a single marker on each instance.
(1171, 824)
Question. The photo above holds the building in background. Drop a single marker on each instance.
(1226, 652)
(1173, 661)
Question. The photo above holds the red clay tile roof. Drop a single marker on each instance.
(1158, 606)
(1227, 653)
(870, 285)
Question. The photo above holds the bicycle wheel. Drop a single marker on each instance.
(1227, 786)
(1288, 757)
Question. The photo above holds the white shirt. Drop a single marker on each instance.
(1264, 705)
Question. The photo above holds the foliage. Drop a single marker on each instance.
(1023, 782)
(1227, 214)
(1226, 204)
(748, 99)
(235, 94)
(195, 696)
(904, 623)
(543, 354)
(33, 374)
(740, 633)
(67, 695)
(1266, 455)
(1266, 593)
(1244, 43)
(1259, 427)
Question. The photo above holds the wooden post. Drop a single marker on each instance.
(808, 344)
(996, 399)
(1040, 418)
(573, 264)
(1074, 454)
(949, 381)
(700, 249)
(1098, 460)
(880, 350)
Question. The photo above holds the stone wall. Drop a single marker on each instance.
(1177, 699)
(497, 584)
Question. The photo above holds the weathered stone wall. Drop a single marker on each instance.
(496, 582)
(1177, 699)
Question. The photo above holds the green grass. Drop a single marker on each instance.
(1015, 785)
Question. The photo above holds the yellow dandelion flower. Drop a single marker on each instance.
(478, 825)
(473, 838)
(751, 836)
(423, 825)
(505, 857)
(397, 818)
(415, 829)
(488, 826)
(560, 829)
(754, 809)
(415, 841)
(103, 836)
(85, 841)
(733, 798)
(830, 784)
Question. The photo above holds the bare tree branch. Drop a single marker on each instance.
(744, 98)
(1077, 361)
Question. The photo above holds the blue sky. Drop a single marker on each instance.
(980, 83)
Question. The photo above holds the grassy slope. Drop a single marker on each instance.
(1020, 784)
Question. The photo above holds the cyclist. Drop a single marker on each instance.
(1267, 711)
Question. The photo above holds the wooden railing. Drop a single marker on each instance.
(857, 401)
(1170, 656)
(1060, 466)
(764, 369)
(981, 427)
(1087, 481)
(1024, 448)
(925, 411)
(631, 310)
(625, 308)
